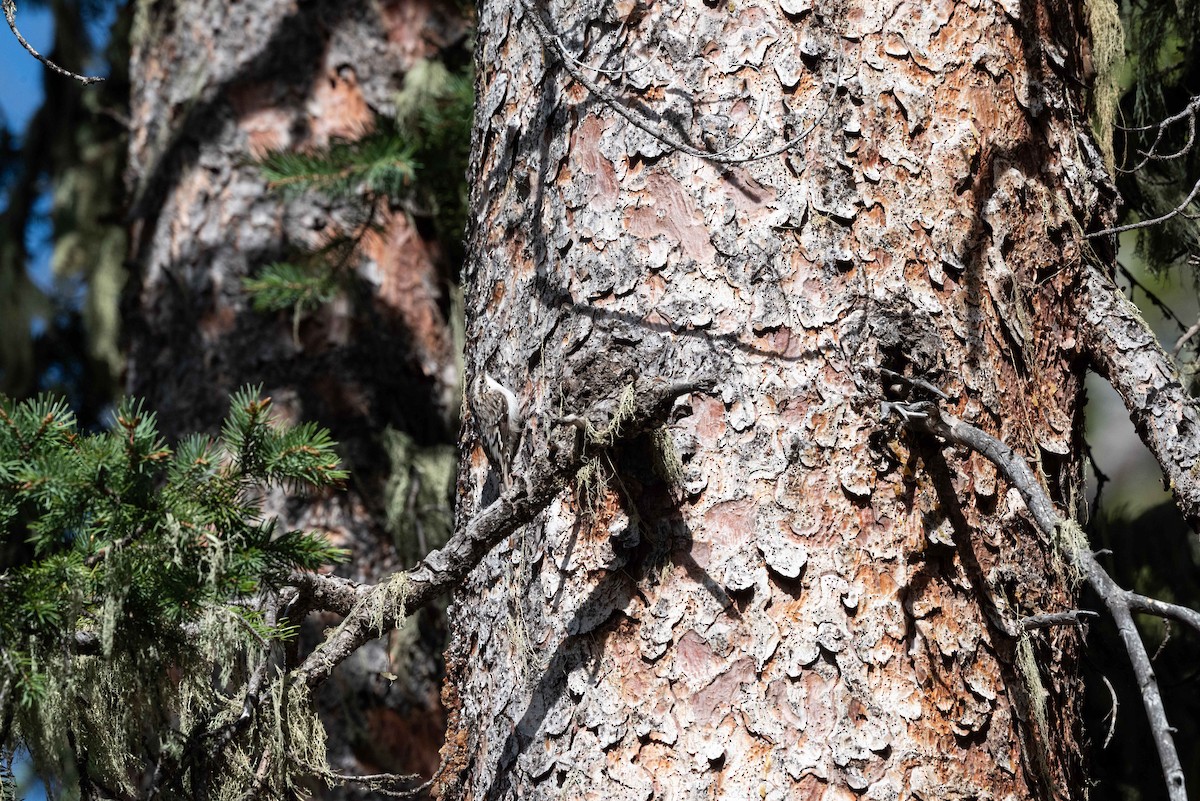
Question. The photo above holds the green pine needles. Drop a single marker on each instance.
(379, 164)
(132, 574)
(415, 161)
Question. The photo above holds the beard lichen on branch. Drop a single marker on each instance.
(139, 583)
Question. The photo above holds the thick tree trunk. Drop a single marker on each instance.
(215, 85)
(818, 604)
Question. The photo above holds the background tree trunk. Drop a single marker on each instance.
(815, 605)
(214, 86)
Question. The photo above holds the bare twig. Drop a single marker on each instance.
(1153, 606)
(912, 381)
(926, 416)
(10, 14)
(102, 553)
(1151, 296)
(1189, 113)
(375, 781)
(1175, 212)
(373, 609)
(1102, 478)
(1112, 712)
(1072, 617)
(562, 49)
(1185, 338)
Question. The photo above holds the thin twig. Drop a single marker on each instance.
(375, 778)
(1189, 112)
(1153, 606)
(912, 381)
(1072, 617)
(1151, 296)
(10, 14)
(1112, 711)
(624, 71)
(1185, 338)
(1102, 478)
(1175, 212)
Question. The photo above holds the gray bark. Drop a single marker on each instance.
(816, 604)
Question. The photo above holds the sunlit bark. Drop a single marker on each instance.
(818, 604)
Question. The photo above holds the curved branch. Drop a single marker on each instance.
(1175, 212)
(10, 14)
(1126, 353)
(1120, 602)
(373, 609)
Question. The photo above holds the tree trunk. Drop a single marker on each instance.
(216, 85)
(815, 604)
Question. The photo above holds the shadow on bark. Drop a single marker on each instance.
(662, 538)
(1042, 769)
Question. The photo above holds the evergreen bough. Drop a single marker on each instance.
(415, 160)
(134, 584)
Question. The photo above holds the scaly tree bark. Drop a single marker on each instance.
(216, 85)
(823, 207)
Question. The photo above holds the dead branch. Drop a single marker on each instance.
(1188, 114)
(1185, 338)
(1126, 353)
(1153, 153)
(1162, 218)
(927, 417)
(10, 14)
(371, 610)
(1073, 617)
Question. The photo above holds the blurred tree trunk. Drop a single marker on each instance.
(816, 604)
(215, 85)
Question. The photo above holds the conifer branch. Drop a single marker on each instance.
(372, 610)
(132, 557)
(380, 163)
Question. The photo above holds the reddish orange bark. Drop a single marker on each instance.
(217, 85)
(819, 605)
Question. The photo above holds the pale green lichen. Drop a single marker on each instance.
(108, 703)
(1036, 697)
(1026, 663)
(1070, 541)
(524, 653)
(591, 485)
(667, 464)
(623, 414)
(387, 602)
(1108, 56)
